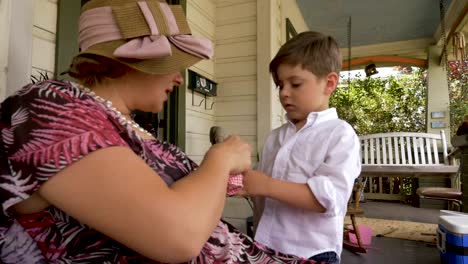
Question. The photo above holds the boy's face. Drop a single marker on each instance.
(302, 92)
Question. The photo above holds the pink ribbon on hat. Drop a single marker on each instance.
(99, 25)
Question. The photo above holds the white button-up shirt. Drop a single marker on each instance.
(324, 154)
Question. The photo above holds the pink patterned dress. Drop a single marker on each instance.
(49, 125)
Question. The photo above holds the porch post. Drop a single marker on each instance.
(268, 42)
(437, 102)
(5, 11)
(437, 94)
(20, 37)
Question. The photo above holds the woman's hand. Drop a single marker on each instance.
(234, 151)
(256, 183)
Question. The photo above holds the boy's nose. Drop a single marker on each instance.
(284, 92)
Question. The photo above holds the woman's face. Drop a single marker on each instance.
(148, 92)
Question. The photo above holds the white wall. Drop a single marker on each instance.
(5, 11)
(236, 63)
(231, 25)
(236, 72)
(271, 28)
(248, 35)
(28, 44)
(201, 17)
(19, 48)
(44, 32)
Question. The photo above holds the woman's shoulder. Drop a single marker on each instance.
(56, 99)
(49, 89)
(48, 117)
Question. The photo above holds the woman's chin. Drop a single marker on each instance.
(153, 109)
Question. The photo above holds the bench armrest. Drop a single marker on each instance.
(454, 153)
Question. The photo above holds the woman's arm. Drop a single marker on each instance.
(118, 194)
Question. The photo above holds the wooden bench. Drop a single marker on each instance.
(401, 155)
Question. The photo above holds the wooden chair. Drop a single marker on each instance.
(452, 195)
(353, 210)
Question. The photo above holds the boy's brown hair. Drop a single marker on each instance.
(314, 51)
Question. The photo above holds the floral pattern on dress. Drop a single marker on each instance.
(49, 125)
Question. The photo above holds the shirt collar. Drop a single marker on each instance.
(315, 118)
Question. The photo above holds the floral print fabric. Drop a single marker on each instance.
(49, 125)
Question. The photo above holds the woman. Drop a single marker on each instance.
(81, 182)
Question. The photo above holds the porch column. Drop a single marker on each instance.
(5, 9)
(20, 39)
(437, 95)
(268, 42)
(438, 105)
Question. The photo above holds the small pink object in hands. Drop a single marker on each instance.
(234, 184)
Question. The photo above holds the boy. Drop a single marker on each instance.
(308, 167)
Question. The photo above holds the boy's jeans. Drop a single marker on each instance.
(329, 257)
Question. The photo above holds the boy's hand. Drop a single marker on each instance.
(255, 183)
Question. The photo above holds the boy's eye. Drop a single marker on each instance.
(295, 85)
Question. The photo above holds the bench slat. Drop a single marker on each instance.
(415, 150)
(444, 147)
(390, 150)
(409, 170)
(397, 154)
(436, 152)
(371, 150)
(402, 150)
(429, 152)
(384, 150)
(421, 148)
(401, 134)
(408, 150)
(377, 150)
(366, 153)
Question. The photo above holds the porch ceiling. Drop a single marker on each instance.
(392, 28)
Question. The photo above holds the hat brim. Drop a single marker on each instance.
(178, 61)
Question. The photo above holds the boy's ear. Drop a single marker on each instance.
(332, 81)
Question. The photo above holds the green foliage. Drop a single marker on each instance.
(380, 105)
(458, 78)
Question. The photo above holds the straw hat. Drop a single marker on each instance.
(149, 36)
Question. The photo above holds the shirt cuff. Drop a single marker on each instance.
(325, 193)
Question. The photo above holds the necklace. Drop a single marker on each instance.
(109, 105)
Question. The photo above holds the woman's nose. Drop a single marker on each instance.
(178, 79)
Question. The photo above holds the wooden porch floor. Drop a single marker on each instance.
(399, 211)
(392, 250)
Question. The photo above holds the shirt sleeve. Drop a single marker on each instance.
(44, 128)
(333, 181)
